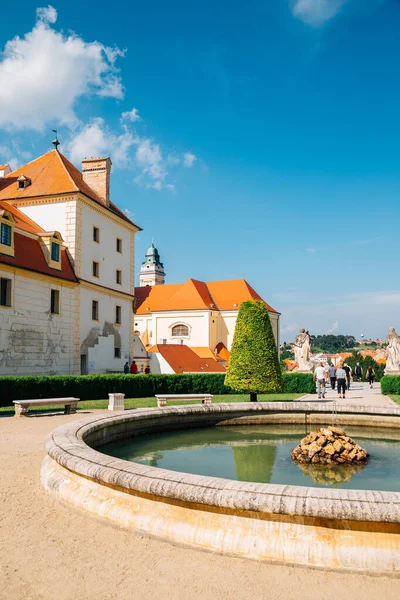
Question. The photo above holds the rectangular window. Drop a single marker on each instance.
(5, 234)
(96, 234)
(55, 252)
(95, 269)
(5, 292)
(117, 352)
(119, 245)
(55, 302)
(95, 310)
(118, 315)
(118, 276)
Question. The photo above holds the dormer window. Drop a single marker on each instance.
(51, 242)
(55, 251)
(6, 234)
(23, 182)
(7, 223)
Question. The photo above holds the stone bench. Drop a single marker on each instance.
(22, 406)
(163, 398)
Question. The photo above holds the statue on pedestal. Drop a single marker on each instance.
(302, 351)
(393, 353)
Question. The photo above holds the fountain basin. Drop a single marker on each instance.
(331, 528)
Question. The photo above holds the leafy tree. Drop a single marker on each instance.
(356, 357)
(332, 343)
(254, 364)
(287, 354)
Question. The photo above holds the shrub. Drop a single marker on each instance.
(97, 387)
(254, 363)
(298, 383)
(390, 384)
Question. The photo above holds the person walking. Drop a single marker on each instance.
(358, 371)
(126, 368)
(319, 378)
(341, 376)
(133, 368)
(332, 376)
(326, 373)
(370, 376)
(348, 374)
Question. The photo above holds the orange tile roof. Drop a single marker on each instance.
(235, 291)
(51, 174)
(182, 359)
(29, 255)
(203, 351)
(21, 220)
(195, 295)
(222, 351)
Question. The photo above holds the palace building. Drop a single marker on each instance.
(197, 316)
(66, 269)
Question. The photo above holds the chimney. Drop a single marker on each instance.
(96, 173)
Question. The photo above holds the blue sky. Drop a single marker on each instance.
(255, 140)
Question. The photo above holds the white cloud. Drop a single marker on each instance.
(317, 12)
(44, 73)
(47, 15)
(129, 213)
(188, 159)
(334, 327)
(149, 159)
(311, 250)
(95, 139)
(131, 115)
(13, 155)
(290, 328)
(173, 160)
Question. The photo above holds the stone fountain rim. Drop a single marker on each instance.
(66, 446)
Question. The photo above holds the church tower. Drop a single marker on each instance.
(152, 270)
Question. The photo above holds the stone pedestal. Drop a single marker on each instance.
(116, 402)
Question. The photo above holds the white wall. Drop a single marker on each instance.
(158, 364)
(32, 340)
(160, 326)
(51, 217)
(97, 333)
(105, 252)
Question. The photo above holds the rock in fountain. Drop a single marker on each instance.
(331, 446)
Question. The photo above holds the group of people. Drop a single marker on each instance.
(133, 368)
(342, 376)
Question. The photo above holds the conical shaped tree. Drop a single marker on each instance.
(253, 364)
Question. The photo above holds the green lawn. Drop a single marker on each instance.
(150, 402)
(395, 398)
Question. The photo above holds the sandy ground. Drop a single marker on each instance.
(50, 552)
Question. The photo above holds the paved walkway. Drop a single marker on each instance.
(359, 393)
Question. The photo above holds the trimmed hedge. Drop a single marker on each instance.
(97, 387)
(253, 363)
(390, 384)
(298, 383)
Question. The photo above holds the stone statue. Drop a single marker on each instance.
(393, 353)
(302, 351)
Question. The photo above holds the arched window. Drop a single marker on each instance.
(180, 330)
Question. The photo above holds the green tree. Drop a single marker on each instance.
(254, 364)
(356, 357)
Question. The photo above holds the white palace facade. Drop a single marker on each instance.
(66, 269)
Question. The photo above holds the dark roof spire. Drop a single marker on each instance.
(55, 142)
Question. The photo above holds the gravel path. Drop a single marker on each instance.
(50, 552)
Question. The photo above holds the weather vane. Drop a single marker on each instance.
(55, 142)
